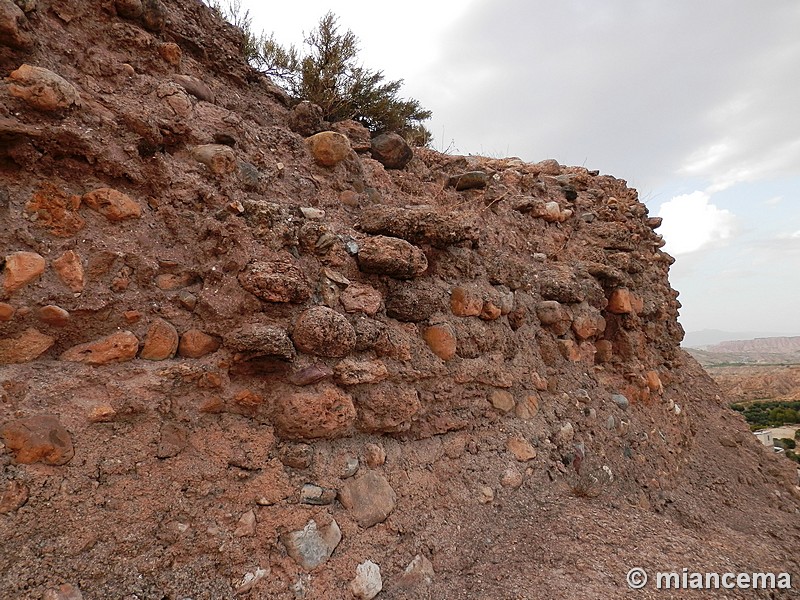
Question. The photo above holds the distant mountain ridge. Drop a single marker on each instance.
(710, 337)
(762, 344)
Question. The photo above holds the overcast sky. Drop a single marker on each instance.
(694, 103)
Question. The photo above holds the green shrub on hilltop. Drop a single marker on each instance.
(328, 74)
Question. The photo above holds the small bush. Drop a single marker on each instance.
(328, 74)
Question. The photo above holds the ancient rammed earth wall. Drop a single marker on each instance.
(215, 310)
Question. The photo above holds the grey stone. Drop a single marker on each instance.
(369, 498)
(312, 546)
(620, 401)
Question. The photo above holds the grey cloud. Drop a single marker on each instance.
(632, 88)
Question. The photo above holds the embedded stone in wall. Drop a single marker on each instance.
(38, 439)
(56, 210)
(129, 9)
(620, 302)
(13, 495)
(465, 304)
(324, 332)
(27, 346)
(391, 150)
(329, 148)
(42, 89)
(161, 341)
(306, 119)
(554, 316)
(279, 280)
(604, 351)
(6, 311)
(352, 371)
(13, 25)
(311, 374)
(528, 407)
(361, 298)
(20, 269)
(220, 159)
(117, 347)
(569, 350)
(502, 400)
(490, 311)
(195, 87)
(368, 582)
(588, 322)
(562, 286)
(420, 224)
(471, 180)
(387, 408)
(414, 301)
(369, 499)
(52, 315)
(325, 412)
(441, 339)
(654, 381)
(258, 339)
(521, 448)
(170, 52)
(419, 572)
(359, 136)
(312, 546)
(69, 269)
(113, 204)
(196, 344)
(392, 257)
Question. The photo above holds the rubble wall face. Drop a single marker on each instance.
(202, 312)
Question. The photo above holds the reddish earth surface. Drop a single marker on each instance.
(239, 362)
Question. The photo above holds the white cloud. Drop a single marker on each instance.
(691, 223)
(774, 201)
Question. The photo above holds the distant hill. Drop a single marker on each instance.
(710, 337)
(765, 344)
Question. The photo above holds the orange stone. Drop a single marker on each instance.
(132, 316)
(620, 302)
(70, 270)
(653, 381)
(569, 350)
(38, 439)
(248, 399)
(490, 312)
(502, 400)
(112, 204)
(463, 304)
(21, 268)
(528, 407)
(161, 341)
(54, 315)
(171, 53)
(604, 351)
(117, 347)
(172, 281)
(196, 344)
(441, 340)
(102, 413)
(56, 210)
(521, 448)
(6, 311)
(349, 198)
(27, 346)
(329, 148)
